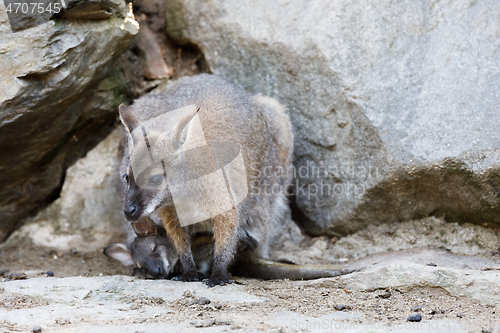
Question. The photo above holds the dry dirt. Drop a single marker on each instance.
(294, 305)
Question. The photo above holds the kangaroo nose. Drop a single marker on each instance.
(157, 272)
(130, 210)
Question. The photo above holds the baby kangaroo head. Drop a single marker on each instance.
(151, 251)
(154, 254)
(155, 147)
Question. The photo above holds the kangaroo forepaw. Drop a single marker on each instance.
(218, 280)
(186, 278)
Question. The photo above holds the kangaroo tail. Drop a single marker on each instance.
(272, 270)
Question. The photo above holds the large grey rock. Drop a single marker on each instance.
(54, 103)
(472, 277)
(394, 104)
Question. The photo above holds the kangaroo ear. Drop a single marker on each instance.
(128, 118)
(145, 227)
(119, 252)
(179, 134)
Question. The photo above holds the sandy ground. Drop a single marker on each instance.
(289, 306)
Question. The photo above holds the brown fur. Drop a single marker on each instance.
(173, 228)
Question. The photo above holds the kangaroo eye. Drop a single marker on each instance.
(125, 176)
(155, 180)
(152, 247)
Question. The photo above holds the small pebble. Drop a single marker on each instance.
(4, 271)
(203, 301)
(386, 294)
(417, 308)
(416, 317)
(49, 273)
(431, 264)
(459, 315)
(205, 323)
(487, 330)
(438, 311)
(37, 329)
(340, 307)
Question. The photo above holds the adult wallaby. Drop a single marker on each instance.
(205, 157)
